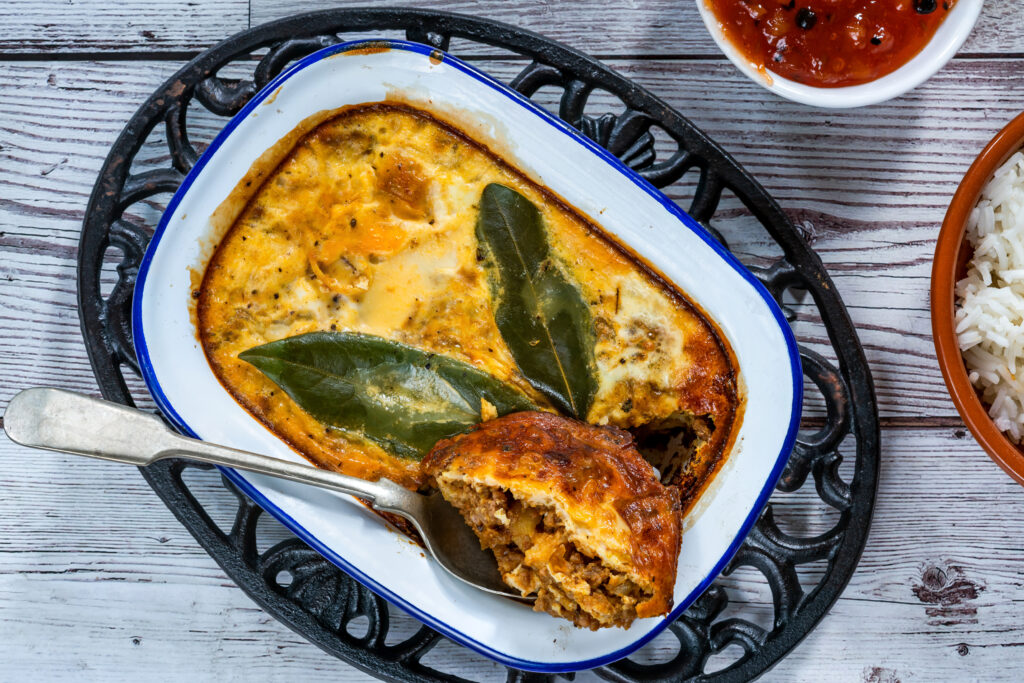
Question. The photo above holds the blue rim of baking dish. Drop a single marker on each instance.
(149, 376)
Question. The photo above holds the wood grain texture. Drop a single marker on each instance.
(662, 28)
(99, 582)
(57, 124)
(84, 26)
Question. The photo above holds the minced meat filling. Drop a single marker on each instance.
(536, 556)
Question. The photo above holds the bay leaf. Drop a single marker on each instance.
(397, 396)
(539, 310)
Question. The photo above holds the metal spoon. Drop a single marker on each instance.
(59, 420)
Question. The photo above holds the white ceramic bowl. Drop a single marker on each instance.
(943, 45)
(552, 153)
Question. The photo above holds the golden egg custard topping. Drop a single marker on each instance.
(369, 225)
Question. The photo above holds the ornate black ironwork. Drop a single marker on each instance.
(303, 590)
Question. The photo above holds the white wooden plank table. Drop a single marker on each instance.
(99, 582)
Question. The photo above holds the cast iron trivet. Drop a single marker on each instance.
(320, 601)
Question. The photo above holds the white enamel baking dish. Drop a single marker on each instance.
(553, 154)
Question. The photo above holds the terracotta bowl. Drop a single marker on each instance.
(950, 265)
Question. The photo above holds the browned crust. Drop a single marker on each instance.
(368, 48)
(592, 468)
(712, 388)
(720, 401)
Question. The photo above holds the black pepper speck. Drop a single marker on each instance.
(806, 18)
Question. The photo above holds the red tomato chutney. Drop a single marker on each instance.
(830, 43)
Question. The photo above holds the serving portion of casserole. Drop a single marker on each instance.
(573, 513)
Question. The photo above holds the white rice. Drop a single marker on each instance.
(990, 300)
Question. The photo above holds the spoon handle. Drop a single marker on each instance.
(59, 420)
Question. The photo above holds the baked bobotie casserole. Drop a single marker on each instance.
(573, 513)
(370, 225)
